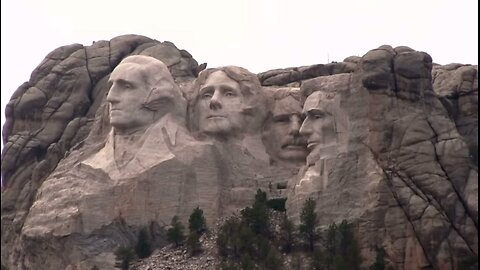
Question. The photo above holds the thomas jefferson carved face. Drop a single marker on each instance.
(281, 137)
(220, 105)
(319, 125)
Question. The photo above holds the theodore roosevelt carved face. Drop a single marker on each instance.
(281, 135)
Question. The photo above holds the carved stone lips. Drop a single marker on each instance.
(293, 147)
(294, 144)
(311, 144)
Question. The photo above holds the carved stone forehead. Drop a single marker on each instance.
(127, 71)
(140, 65)
(319, 101)
(287, 105)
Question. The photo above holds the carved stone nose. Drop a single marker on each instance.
(215, 102)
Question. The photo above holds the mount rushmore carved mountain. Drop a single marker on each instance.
(104, 140)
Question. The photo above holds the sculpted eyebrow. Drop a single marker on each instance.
(317, 112)
(205, 89)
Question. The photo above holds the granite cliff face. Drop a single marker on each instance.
(401, 162)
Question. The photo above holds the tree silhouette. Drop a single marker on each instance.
(175, 233)
(143, 249)
(308, 223)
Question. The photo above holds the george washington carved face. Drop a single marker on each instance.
(142, 91)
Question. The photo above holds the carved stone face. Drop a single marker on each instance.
(220, 105)
(282, 138)
(126, 97)
(319, 125)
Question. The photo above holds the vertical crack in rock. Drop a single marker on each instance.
(457, 193)
(389, 181)
(86, 66)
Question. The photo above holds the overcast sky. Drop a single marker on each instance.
(258, 35)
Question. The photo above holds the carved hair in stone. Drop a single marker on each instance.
(147, 112)
(227, 102)
(281, 134)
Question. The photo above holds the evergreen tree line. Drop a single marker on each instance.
(247, 242)
(175, 235)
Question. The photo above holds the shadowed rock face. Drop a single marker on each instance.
(397, 156)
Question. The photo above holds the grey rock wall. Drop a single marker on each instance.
(404, 167)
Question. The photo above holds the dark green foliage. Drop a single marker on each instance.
(175, 233)
(123, 256)
(235, 238)
(341, 249)
(318, 260)
(245, 242)
(308, 223)
(261, 197)
(196, 222)
(277, 204)
(196, 225)
(247, 263)
(257, 216)
(379, 263)
(273, 261)
(468, 263)
(193, 243)
(331, 243)
(287, 236)
(143, 249)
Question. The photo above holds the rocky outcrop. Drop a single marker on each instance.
(402, 172)
(54, 114)
(403, 167)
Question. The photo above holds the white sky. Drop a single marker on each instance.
(258, 35)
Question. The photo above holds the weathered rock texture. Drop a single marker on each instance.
(405, 172)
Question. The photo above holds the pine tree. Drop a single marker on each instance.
(331, 245)
(175, 233)
(287, 234)
(193, 243)
(308, 223)
(123, 256)
(379, 263)
(197, 222)
(348, 247)
(257, 217)
(273, 260)
(247, 263)
(143, 249)
(318, 260)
